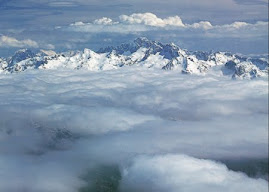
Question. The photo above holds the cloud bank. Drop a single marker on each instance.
(139, 22)
(155, 127)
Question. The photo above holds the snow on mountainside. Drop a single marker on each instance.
(141, 52)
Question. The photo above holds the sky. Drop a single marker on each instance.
(239, 26)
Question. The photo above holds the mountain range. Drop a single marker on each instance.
(141, 52)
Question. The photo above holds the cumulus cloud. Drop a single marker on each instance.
(6, 41)
(58, 126)
(104, 21)
(150, 21)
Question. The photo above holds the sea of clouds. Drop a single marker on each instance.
(162, 130)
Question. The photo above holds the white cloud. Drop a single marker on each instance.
(78, 23)
(151, 20)
(238, 24)
(62, 4)
(174, 172)
(143, 22)
(242, 25)
(57, 125)
(240, 30)
(104, 21)
(6, 41)
(202, 24)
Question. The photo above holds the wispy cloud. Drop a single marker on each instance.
(62, 4)
(252, 2)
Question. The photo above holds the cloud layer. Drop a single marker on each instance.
(57, 126)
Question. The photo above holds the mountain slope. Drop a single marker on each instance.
(144, 53)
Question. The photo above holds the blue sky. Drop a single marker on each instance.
(228, 25)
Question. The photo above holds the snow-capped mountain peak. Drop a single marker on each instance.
(140, 52)
(21, 55)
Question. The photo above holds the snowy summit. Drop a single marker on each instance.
(142, 52)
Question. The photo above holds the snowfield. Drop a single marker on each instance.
(148, 129)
